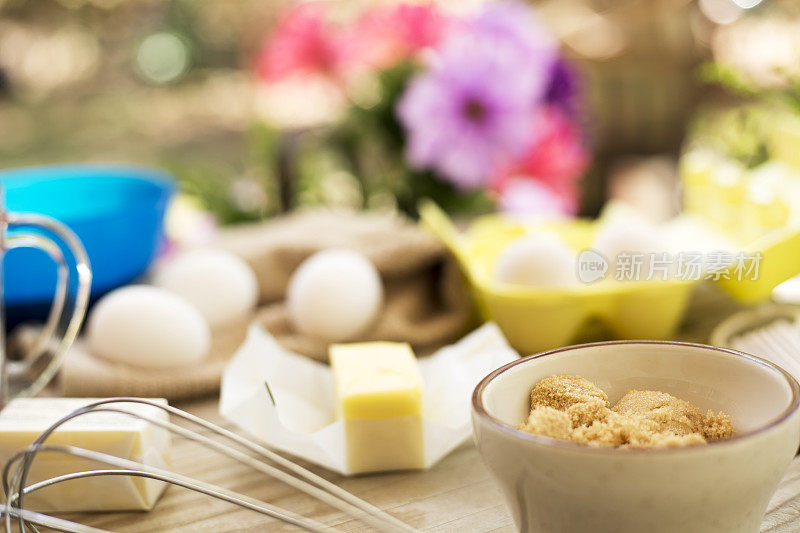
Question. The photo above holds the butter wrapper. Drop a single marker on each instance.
(24, 419)
(286, 400)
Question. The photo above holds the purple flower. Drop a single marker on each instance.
(474, 108)
(515, 28)
(563, 90)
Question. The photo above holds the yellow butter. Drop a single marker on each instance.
(22, 420)
(379, 397)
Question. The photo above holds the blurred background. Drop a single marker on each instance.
(176, 84)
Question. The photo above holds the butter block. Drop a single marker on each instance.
(379, 397)
(22, 420)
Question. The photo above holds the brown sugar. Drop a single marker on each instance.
(584, 413)
(667, 412)
(717, 425)
(550, 422)
(561, 392)
(575, 409)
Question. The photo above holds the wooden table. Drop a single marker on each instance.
(457, 495)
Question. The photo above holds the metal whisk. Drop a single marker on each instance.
(16, 471)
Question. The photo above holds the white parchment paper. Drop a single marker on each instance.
(286, 400)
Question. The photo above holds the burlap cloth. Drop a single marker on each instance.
(425, 300)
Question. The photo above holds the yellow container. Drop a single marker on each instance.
(761, 208)
(785, 140)
(780, 260)
(536, 319)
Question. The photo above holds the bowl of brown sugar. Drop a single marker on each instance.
(638, 436)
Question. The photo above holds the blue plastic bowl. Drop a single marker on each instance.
(116, 211)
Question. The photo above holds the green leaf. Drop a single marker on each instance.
(271, 397)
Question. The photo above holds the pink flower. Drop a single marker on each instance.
(524, 196)
(304, 42)
(388, 35)
(556, 158)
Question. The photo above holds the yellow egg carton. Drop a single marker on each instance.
(535, 319)
(760, 207)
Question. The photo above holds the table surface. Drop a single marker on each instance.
(455, 495)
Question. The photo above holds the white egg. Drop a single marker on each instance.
(633, 237)
(147, 327)
(537, 261)
(334, 295)
(221, 285)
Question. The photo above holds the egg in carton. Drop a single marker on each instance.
(618, 276)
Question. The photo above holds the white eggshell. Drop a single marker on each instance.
(631, 237)
(334, 295)
(537, 261)
(147, 327)
(218, 283)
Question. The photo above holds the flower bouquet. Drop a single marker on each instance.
(475, 111)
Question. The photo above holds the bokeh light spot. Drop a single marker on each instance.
(162, 57)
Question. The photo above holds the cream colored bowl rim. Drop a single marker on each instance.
(480, 410)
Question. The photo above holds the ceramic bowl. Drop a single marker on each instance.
(722, 487)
